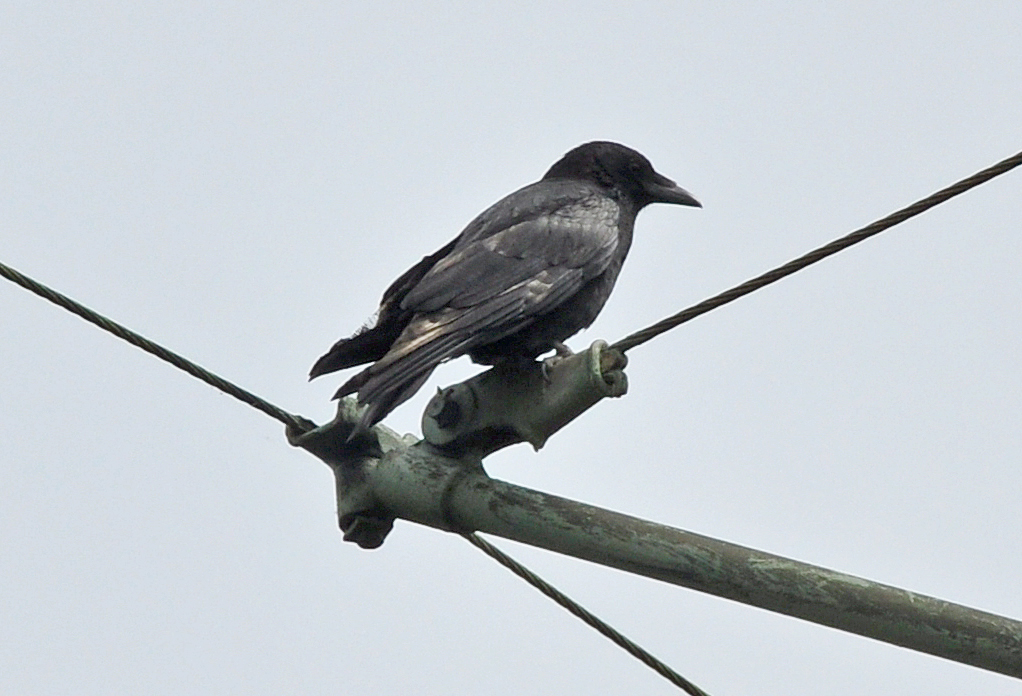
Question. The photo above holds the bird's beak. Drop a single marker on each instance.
(663, 190)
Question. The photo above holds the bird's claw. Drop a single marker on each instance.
(561, 352)
(544, 368)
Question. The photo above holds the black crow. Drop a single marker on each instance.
(532, 270)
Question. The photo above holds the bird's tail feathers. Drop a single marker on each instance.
(379, 409)
(367, 345)
(393, 380)
(396, 376)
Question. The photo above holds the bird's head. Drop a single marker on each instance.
(620, 168)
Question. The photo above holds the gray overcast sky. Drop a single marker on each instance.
(241, 181)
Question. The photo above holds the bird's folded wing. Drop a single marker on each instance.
(569, 247)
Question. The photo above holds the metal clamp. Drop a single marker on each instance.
(522, 402)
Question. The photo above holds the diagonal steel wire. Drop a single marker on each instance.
(298, 423)
(631, 341)
(303, 425)
(582, 613)
(920, 206)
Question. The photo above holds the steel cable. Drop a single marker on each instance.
(289, 419)
(303, 425)
(631, 341)
(582, 613)
(640, 337)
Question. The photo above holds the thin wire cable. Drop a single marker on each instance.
(581, 612)
(296, 422)
(303, 425)
(640, 337)
(631, 341)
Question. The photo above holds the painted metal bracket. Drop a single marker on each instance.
(516, 402)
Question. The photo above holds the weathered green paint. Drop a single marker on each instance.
(381, 476)
(431, 490)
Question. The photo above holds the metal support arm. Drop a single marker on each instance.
(441, 494)
(381, 476)
(514, 402)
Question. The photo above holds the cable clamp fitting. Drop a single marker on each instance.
(524, 401)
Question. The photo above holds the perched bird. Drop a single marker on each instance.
(532, 270)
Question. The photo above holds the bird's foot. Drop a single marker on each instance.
(561, 352)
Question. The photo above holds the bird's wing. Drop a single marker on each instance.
(373, 340)
(400, 287)
(494, 287)
(540, 260)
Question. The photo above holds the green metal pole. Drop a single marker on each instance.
(418, 485)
